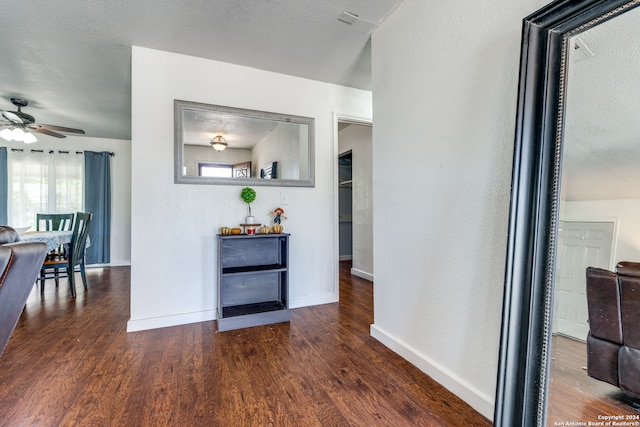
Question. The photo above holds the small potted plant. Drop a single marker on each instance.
(248, 195)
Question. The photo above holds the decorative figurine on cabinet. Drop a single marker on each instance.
(278, 216)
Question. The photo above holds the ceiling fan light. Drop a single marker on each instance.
(29, 138)
(17, 134)
(6, 134)
(218, 143)
(20, 122)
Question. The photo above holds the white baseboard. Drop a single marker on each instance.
(134, 325)
(121, 263)
(345, 257)
(475, 398)
(111, 264)
(313, 300)
(362, 274)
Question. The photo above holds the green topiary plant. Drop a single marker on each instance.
(248, 195)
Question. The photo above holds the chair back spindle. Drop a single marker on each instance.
(54, 222)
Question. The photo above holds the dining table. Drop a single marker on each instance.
(53, 239)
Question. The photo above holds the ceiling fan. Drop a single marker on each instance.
(18, 125)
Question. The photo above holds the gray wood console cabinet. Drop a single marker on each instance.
(253, 282)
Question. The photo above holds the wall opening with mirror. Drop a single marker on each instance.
(221, 145)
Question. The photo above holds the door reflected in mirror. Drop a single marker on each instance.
(226, 145)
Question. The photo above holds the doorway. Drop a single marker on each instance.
(581, 244)
(355, 196)
(345, 206)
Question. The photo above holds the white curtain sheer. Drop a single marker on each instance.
(43, 182)
(69, 183)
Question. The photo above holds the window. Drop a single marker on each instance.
(43, 182)
(215, 169)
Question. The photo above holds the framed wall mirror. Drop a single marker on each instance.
(225, 145)
(564, 146)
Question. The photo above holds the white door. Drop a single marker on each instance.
(580, 245)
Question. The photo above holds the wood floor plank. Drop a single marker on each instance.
(192, 403)
(574, 396)
(71, 362)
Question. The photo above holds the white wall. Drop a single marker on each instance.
(626, 212)
(445, 89)
(357, 138)
(173, 247)
(120, 184)
(282, 145)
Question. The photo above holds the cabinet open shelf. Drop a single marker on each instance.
(253, 280)
(259, 307)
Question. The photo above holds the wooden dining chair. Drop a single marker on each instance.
(72, 256)
(54, 222)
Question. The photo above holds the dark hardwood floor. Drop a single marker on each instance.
(70, 362)
(574, 396)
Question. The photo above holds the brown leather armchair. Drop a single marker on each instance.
(613, 343)
(19, 266)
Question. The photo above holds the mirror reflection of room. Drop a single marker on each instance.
(224, 145)
(599, 224)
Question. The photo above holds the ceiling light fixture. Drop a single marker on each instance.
(29, 138)
(218, 143)
(17, 134)
(6, 134)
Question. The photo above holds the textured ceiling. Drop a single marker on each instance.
(72, 59)
(238, 131)
(601, 151)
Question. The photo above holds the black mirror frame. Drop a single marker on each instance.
(527, 303)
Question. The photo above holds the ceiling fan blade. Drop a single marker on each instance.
(12, 117)
(59, 128)
(46, 131)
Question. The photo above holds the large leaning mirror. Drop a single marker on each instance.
(570, 149)
(599, 218)
(226, 145)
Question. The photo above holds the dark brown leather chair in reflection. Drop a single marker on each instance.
(613, 344)
(19, 266)
(72, 256)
